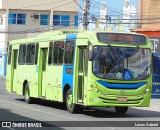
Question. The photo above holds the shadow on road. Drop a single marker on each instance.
(102, 112)
(7, 116)
(132, 113)
(55, 105)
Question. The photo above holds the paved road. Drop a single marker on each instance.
(13, 108)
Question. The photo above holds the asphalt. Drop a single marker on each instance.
(13, 108)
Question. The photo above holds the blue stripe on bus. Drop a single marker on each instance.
(68, 77)
(121, 86)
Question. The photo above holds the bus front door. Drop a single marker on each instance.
(13, 68)
(42, 72)
(82, 73)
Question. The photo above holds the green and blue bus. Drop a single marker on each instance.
(82, 68)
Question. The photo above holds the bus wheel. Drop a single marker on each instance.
(71, 107)
(121, 110)
(27, 97)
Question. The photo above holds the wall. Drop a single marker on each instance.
(40, 5)
(150, 11)
(34, 24)
(3, 57)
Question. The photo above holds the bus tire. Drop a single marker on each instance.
(121, 110)
(71, 107)
(27, 97)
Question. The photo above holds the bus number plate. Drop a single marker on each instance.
(122, 99)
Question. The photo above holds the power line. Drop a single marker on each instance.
(115, 10)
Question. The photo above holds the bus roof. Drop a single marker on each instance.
(47, 35)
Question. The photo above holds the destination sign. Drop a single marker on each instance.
(121, 38)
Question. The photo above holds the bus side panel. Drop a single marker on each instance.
(51, 86)
(8, 79)
(21, 78)
(67, 75)
(54, 82)
(29, 74)
(8, 69)
(68, 70)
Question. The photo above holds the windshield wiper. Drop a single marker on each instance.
(115, 56)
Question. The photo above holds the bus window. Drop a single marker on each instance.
(22, 54)
(58, 52)
(61, 52)
(9, 55)
(30, 53)
(69, 52)
(50, 56)
(36, 54)
(80, 59)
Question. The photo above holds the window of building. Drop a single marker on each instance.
(75, 20)
(9, 54)
(61, 20)
(44, 19)
(22, 54)
(30, 58)
(17, 18)
(69, 52)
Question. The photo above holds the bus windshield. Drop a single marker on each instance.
(123, 63)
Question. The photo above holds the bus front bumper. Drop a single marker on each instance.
(95, 99)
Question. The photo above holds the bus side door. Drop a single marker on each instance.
(82, 73)
(14, 69)
(42, 72)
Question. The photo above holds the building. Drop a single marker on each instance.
(149, 12)
(150, 22)
(23, 19)
(110, 15)
(153, 32)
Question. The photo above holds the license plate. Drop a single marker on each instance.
(122, 99)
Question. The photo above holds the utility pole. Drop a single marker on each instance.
(85, 15)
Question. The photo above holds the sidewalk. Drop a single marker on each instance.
(155, 104)
(2, 81)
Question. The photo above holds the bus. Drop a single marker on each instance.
(82, 68)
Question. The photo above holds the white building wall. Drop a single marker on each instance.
(34, 24)
(2, 28)
(28, 7)
(57, 5)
